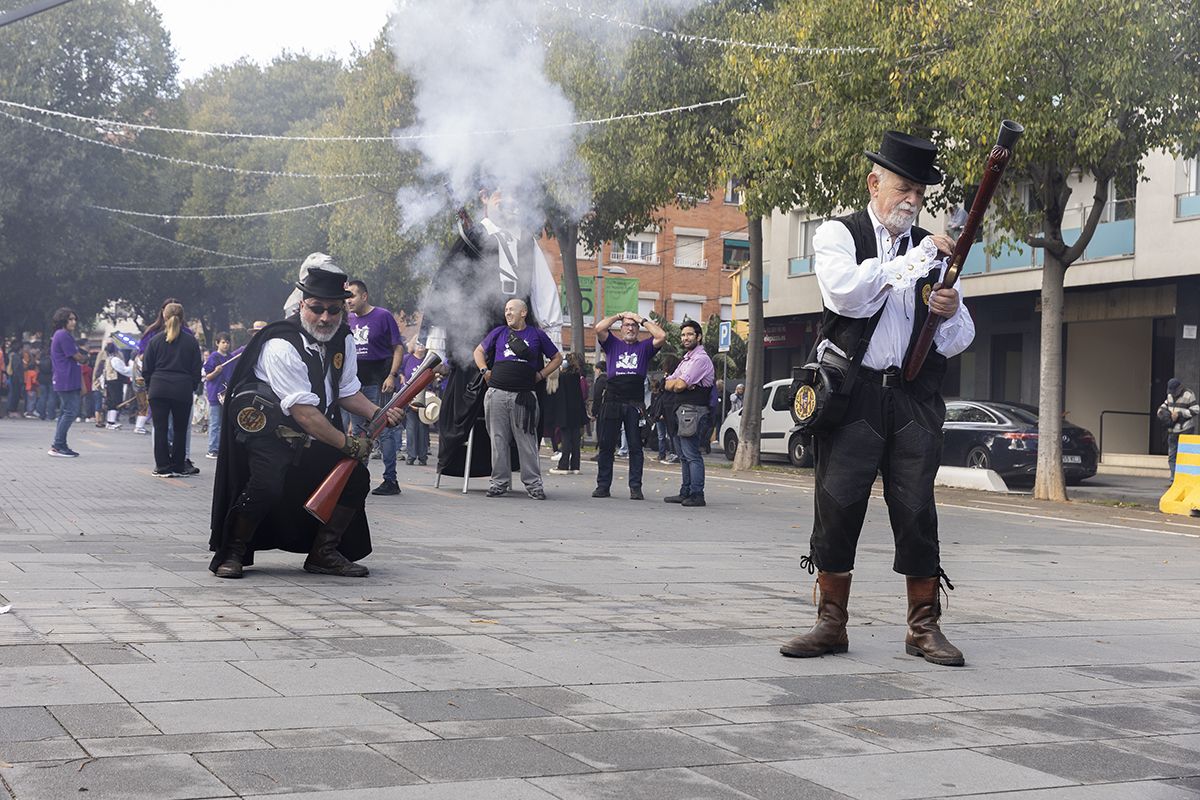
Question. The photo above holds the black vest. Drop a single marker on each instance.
(845, 332)
(334, 362)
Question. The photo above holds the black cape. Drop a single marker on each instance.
(288, 527)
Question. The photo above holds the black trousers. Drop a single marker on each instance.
(614, 417)
(572, 435)
(896, 433)
(276, 480)
(179, 412)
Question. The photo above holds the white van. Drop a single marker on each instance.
(777, 438)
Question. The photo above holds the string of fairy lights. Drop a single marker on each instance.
(107, 129)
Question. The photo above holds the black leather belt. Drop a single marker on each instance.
(889, 378)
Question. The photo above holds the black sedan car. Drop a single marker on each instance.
(1004, 437)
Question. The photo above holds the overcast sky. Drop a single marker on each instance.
(206, 33)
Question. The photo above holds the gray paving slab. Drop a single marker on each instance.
(1089, 762)
(468, 704)
(56, 749)
(142, 745)
(782, 741)
(145, 682)
(630, 721)
(305, 769)
(639, 749)
(28, 725)
(901, 776)
(659, 784)
(323, 676)
(1137, 718)
(1142, 790)
(903, 733)
(106, 653)
(103, 719)
(58, 684)
(261, 714)
(479, 759)
(684, 695)
(558, 700)
(160, 777)
(33, 655)
(492, 790)
(455, 671)
(398, 731)
(1032, 725)
(490, 728)
(384, 646)
(840, 688)
(764, 782)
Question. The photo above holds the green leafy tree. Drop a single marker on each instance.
(1097, 85)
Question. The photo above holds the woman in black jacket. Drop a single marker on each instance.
(572, 413)
(171, 367)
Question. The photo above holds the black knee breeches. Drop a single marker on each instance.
(888, 431)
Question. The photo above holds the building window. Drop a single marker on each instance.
(1122, 194)
(743, 295)
(689, 252)
(735, 192)
(726, 309)
(736, 254)
(639, 249)
(645, 306)
(685, 310)
(802, 262)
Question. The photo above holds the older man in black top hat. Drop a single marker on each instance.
(282, 434)
(879, 278)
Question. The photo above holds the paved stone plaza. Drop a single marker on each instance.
(515, 650)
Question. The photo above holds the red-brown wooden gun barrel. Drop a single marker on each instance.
(1010, 132)
(325, 498)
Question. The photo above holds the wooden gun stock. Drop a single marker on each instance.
(325, 498)
(1010, 132)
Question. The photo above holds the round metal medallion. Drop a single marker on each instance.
(338, 358)
(806, 402)
(928, 290)
(251, 420)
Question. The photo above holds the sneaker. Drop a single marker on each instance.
(410, 461)
(576, 472)
(210, 455)
(636, 494)
(693, 501)
(376, 454)
(622, 455)
(557, 471)
(422, 462)
(31, 416)
(165, 472)
(497, 491)
(113, 426)
(79, 419)
(142, 431)
(537, 493)
(387, 488)
(675, 498)
(599, 492)
(189, 468)
(672, 459)
(62, 452)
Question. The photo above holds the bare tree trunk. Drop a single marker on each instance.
(567, 234)
(1049, 484)
(749, 437)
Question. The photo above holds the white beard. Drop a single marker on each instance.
(899, 220)
(312, 331)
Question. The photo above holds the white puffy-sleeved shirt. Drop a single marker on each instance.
(859, 290)
(283, 370)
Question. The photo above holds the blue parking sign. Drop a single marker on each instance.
(724, 336)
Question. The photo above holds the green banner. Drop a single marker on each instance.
(620, 295)
(587, 287)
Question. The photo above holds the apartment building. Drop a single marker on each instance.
(1131, 313)
(679, 269)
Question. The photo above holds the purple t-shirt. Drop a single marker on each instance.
(408, 366)
(67, 375)
(539, 344)
(217, 385)
(623, 358)
(376, 334)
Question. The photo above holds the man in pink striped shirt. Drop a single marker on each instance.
(690, 386)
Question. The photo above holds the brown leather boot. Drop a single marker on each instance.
(324, 558)
(925, 637)
(239, 542)
(829, 634)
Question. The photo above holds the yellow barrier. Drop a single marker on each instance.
(1184, 495)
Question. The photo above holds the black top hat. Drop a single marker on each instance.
(324, 284)
(908, 156)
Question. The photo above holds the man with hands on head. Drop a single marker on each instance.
(282, 434)
(622, 404)
(513, 360)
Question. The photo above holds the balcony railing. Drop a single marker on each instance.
(1187, 204)
(1113, 237)
(622, 258)
(691, 264)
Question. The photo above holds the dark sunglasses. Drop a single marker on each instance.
(318, 310)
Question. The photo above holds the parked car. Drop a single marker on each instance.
(776, 436)
(1004, 437)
